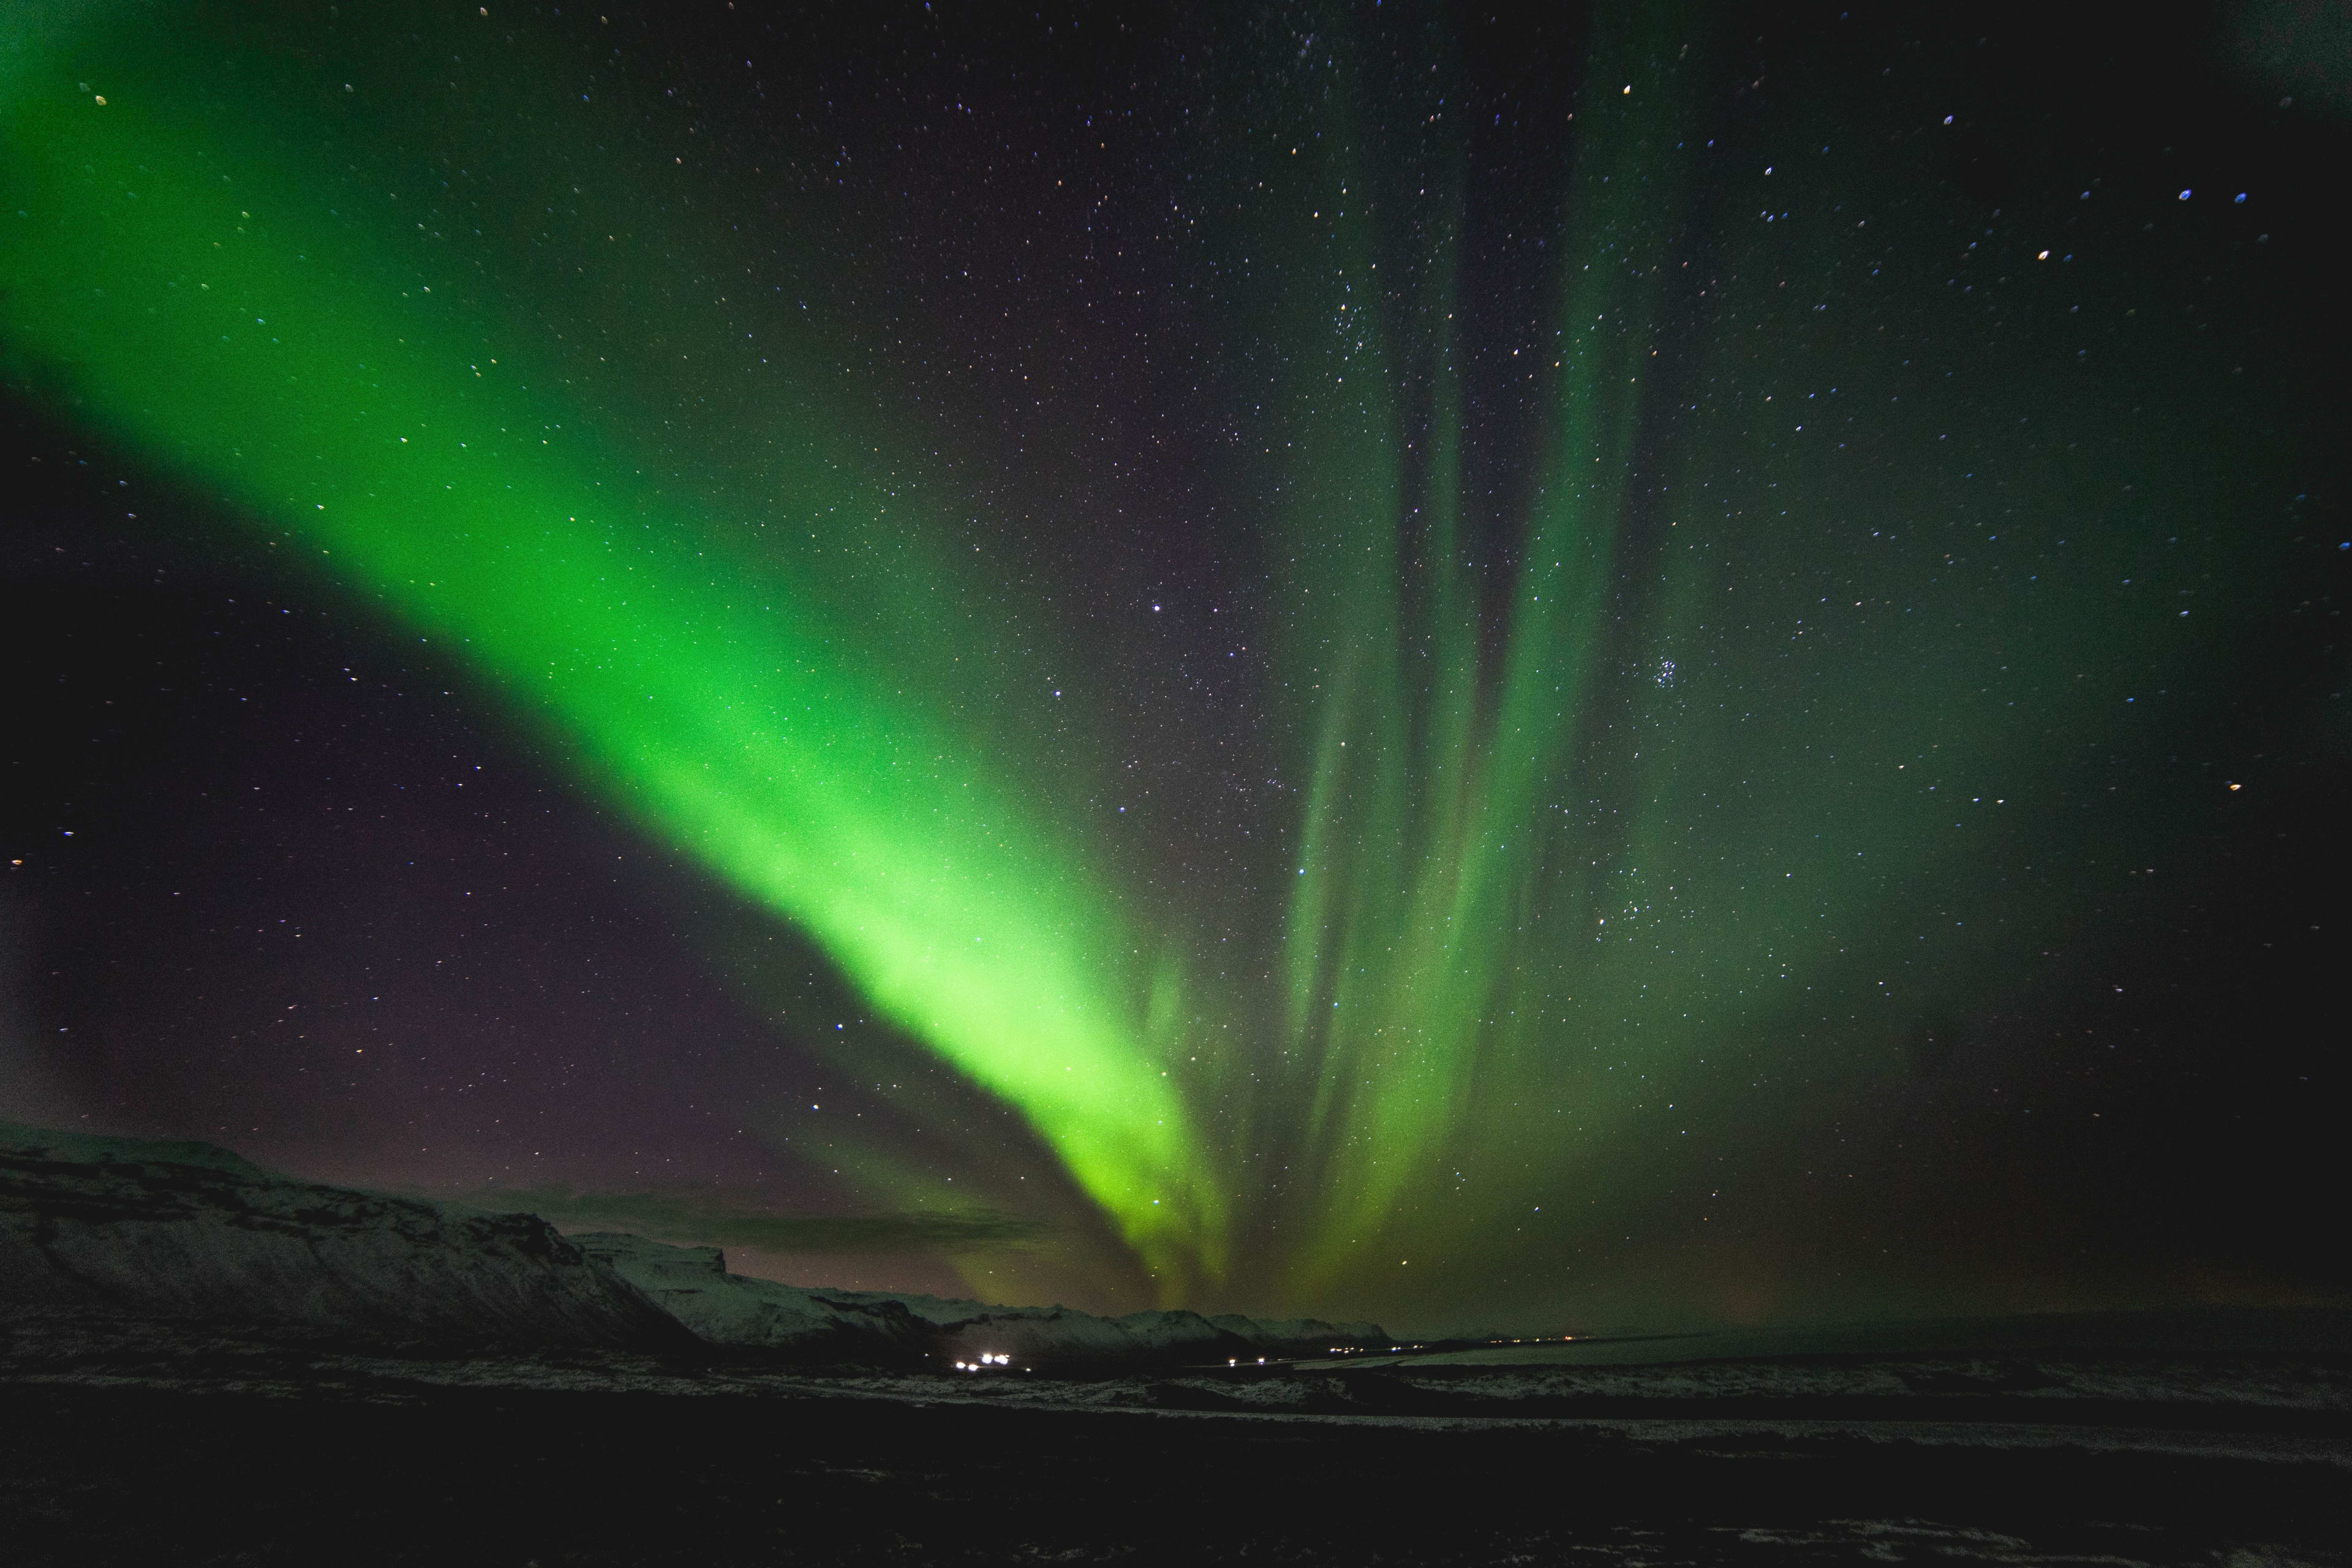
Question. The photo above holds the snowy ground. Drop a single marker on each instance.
(513, 1464)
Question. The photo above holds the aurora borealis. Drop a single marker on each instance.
(1615, 665)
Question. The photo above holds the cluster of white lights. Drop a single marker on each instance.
(987, 1358)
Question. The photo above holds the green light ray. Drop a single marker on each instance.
(1427, 859)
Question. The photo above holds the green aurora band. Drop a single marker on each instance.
(1546, 902)
(312, 382)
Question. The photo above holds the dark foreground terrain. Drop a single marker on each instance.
(425, 1472)
(205, 1362)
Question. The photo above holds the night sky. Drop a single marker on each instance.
(1549, 671)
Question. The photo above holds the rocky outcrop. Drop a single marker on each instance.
(692, 1285)
(192, 1231)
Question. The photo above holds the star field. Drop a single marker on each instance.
(1629, 665)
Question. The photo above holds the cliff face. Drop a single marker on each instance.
(190, 1231)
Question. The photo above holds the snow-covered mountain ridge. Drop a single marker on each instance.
(190, 1231)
